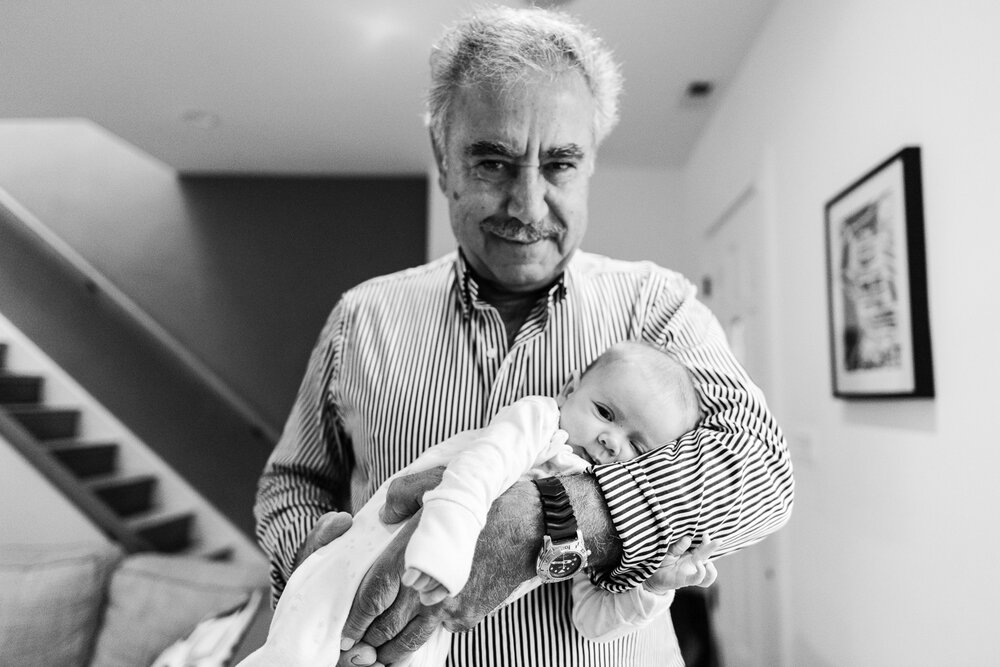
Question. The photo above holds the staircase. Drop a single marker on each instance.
(115, 480)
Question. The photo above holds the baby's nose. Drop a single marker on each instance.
(611, 442)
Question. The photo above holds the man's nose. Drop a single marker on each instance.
(527, 196)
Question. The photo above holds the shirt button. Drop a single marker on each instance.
(491, 353)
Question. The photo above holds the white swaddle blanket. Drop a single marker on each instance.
(522, 441)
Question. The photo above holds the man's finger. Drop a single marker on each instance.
(328, 527)
(410, 638)
(360, 655)
(331, 526)
(405, 495)
(387, 625)
(376, 593)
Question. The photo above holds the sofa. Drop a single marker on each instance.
(91, 605)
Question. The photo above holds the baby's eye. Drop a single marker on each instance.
(604, 412)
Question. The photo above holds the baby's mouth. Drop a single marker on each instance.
(582, 453)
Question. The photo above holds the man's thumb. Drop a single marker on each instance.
(331, 526)
(327, 528)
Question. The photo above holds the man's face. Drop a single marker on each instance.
(515, 171)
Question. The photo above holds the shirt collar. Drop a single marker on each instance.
(467, 287)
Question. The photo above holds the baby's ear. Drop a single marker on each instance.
(568, 388)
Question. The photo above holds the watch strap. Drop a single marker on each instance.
(560, 522)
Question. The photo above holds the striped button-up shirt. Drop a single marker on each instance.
(409, 359)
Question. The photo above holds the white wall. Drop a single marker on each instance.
(32, 511)
(634, 214)
(893, 540)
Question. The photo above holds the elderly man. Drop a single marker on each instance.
(519, 103)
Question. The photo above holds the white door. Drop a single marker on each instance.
(735, 285)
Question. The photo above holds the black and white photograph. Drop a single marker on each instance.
(513, 333)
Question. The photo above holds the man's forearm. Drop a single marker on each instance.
(594, 521)
(521, 511)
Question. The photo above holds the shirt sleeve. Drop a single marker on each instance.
(308, 473)
(730, 477)
(601, 616)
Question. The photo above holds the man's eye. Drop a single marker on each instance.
(560, 169)
(492, 169)
(604, 412)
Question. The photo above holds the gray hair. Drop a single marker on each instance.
(499, 46)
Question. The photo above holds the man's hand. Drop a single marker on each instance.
(386, 614)
(389, 616)
(327, 528)
(405, 495)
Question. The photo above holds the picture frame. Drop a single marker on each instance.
(880, 342)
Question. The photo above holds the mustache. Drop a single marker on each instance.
(513, 229)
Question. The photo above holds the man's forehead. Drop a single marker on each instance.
(554, 115)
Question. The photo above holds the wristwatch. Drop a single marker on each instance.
(563, 553)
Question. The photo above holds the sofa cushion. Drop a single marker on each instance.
(153, 600)
(214, 641)
(50, 602)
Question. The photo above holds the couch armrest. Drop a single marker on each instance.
(154, 600)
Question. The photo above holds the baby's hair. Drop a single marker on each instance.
(658, 368)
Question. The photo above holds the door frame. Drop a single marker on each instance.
(760, 183)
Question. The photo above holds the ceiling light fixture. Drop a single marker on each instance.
(699, 90)
(548, 4)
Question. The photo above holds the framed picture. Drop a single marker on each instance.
(877, 282)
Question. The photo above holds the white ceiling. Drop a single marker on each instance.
(328, 86)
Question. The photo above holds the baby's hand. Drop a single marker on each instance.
(430, 589)
(684, 567)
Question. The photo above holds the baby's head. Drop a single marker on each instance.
(632, 399)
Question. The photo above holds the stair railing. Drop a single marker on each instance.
(95, 282)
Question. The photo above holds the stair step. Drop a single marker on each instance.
(127, 496)
(85, 459)
(47, 423)
(168, 533)
(20, 388)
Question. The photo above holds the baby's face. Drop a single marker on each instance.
(613, 415)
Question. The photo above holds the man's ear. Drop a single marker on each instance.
(440, 162)
(568, 388)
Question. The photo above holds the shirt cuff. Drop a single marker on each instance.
(639, 521)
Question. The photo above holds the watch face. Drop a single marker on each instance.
(565, 564)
